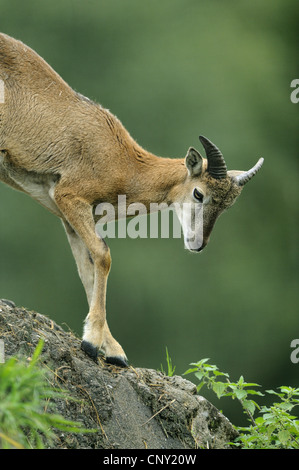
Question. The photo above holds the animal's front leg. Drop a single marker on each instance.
(83, 260)
(93, 260)
(92, 342)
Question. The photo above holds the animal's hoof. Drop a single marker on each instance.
(90, 350)
(117, 361)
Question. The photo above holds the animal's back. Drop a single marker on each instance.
(42, 120)
(20, 65)
(46, 127)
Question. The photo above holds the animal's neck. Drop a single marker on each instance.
(155, 179)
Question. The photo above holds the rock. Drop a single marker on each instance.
(131, 408)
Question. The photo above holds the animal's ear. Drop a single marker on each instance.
(193, 162)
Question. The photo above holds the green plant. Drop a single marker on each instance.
(170, 368)
(25, 397)
(274, 428)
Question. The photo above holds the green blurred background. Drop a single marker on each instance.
(171, 70)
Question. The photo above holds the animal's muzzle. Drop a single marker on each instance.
(197, 248)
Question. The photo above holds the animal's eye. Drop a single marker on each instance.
(197, 195)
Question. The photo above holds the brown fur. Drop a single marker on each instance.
(69, 153)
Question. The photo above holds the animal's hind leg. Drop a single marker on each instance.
(95, 335)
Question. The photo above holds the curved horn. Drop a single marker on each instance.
(243, 178)
(216, 163)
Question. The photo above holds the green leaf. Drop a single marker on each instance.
(241, 380)
(251, 384)
(219, 388)
(241, 394)
(285, 389)
(249, 405)
(190, 371)
(216, 373)
(254, 392)
(272, 392)
(199, 375)
(285, 406)
(260, 420)
(199, 363)
(284, 436)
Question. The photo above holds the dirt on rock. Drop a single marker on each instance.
(131, 408)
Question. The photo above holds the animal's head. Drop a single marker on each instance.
(208, 190)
